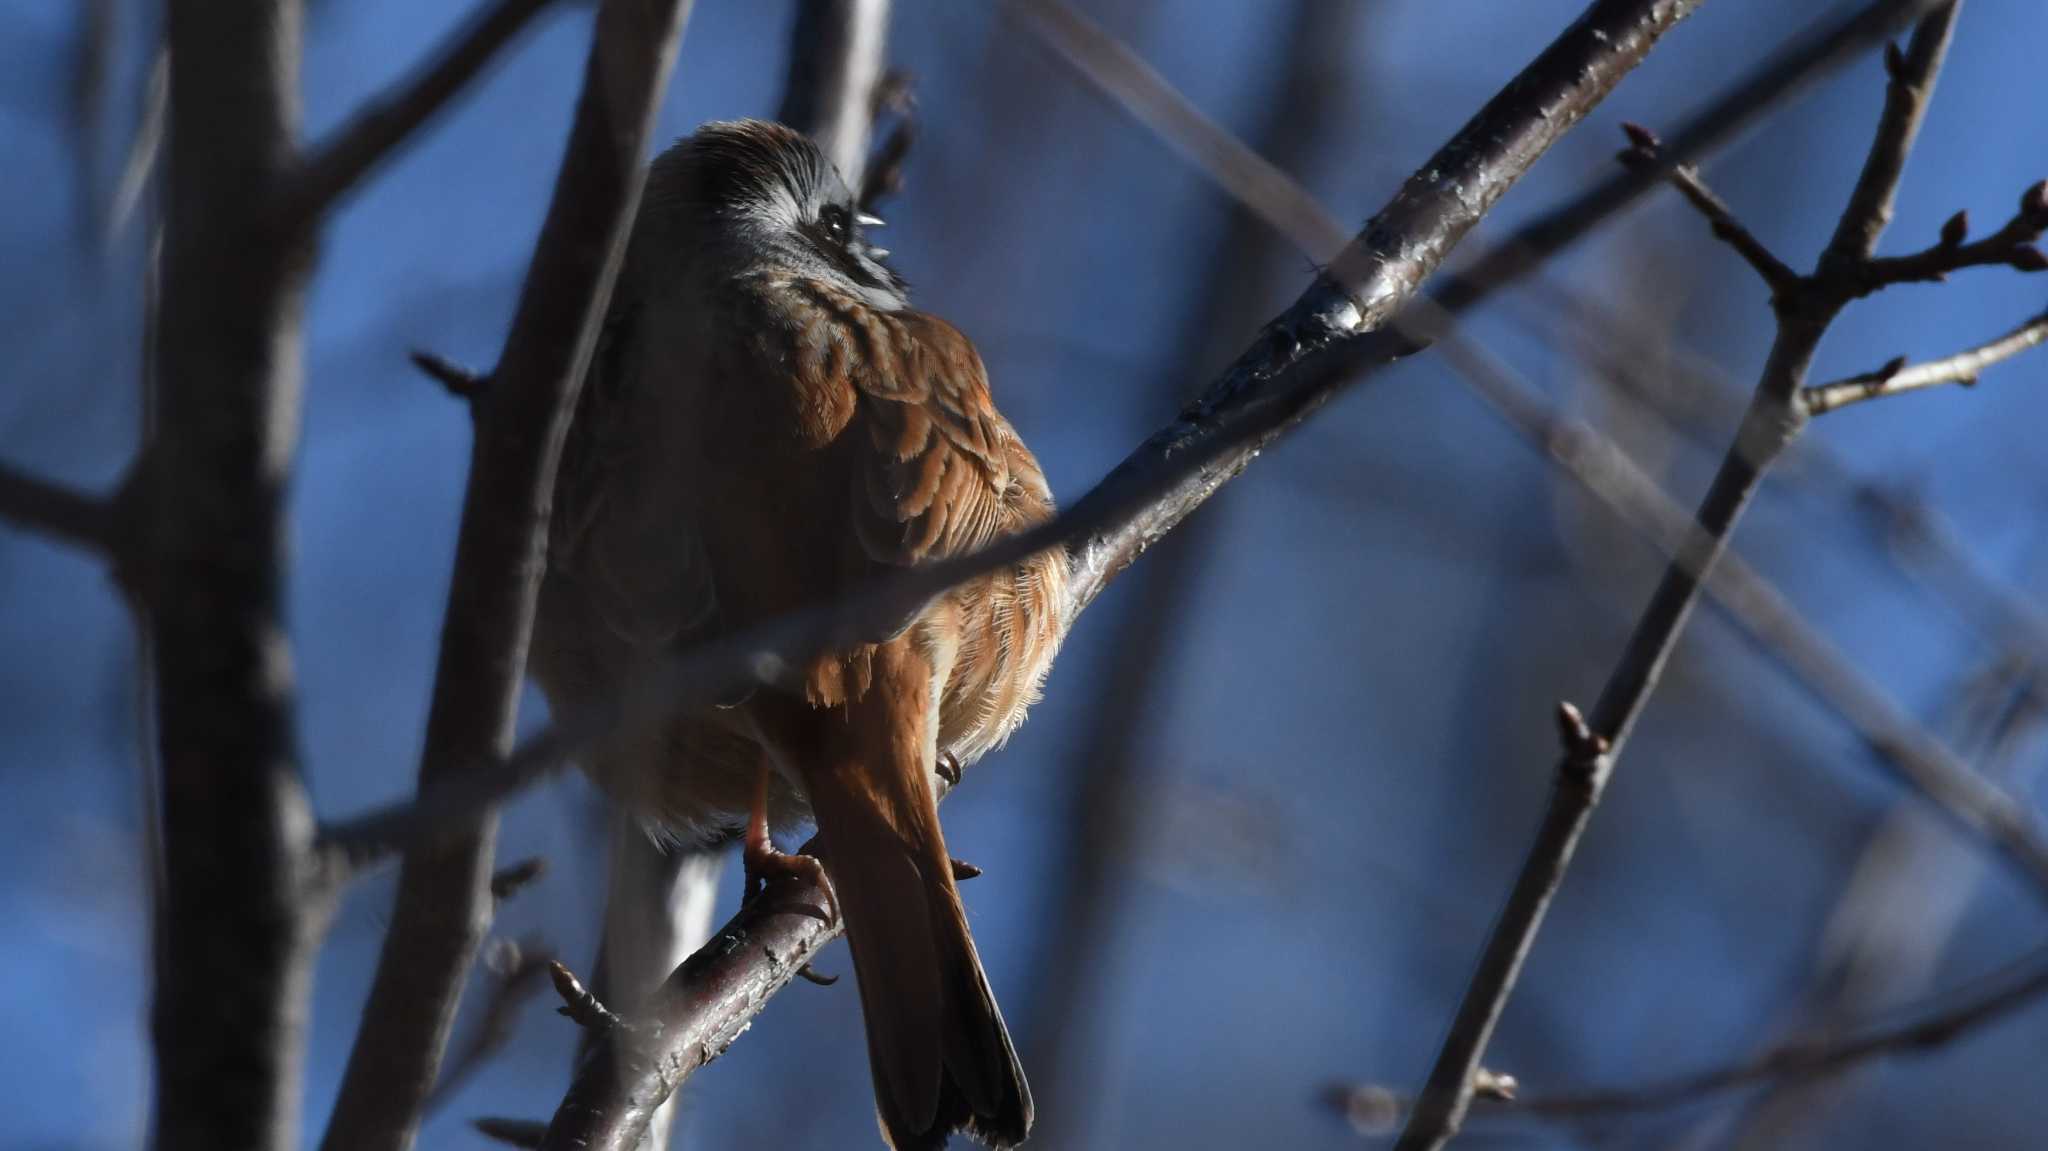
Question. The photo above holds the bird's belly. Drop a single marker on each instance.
(1008, 630)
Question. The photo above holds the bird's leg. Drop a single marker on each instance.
(765, 865)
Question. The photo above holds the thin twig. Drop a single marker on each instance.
(524, 1133)
(517, 981)
(1962, 368)
(444, 897)
(1796, 1060)
(332, 169)
(1642, 153)
(56, 512)
(579, 1003)
(2011, 246)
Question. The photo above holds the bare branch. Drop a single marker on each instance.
(507, 882)
(1126, 78)
(57, 512)
(1772, 422)
(1796, 1060)
(2012, 246)
(1779, 77)
(835, 49)
(338, 165)
(526, 1133)
(1642, 153)
(463, 383)
(582, 1007)
(444, 897)
(1896, 379)
(517, 980)
(243, 895)
(884, 177)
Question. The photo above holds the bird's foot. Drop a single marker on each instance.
(780, 876)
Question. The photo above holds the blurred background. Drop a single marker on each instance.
(1250, 844)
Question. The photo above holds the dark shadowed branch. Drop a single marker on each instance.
(444, 897)
(56, 512)
(243, 899)
(339, 164)
(709, 1001)
(1110, 778)
(836, 59)
(1804, 312)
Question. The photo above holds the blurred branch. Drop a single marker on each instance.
(1114, 775)
(444, 897)
(657, 912)
(1962, 368)
(56, 512)
(1245, 174)
(1796, 1060)
(893, 96)
(1274, 385)
(835, 64)
(1804, 310)
(516, 983)
(330, 170)
(143, 146)
(526, 1133)
(244, 895)
(91, 76)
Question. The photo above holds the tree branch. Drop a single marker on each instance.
(339, 164)
(2011, 246)
(1772, 422)
(444, 898)
(243, 896)
(1642, 153)
(56, 512)
(1962, 368)
(835, 50)
(1802, 1059)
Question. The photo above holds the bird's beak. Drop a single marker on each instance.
(867, 221)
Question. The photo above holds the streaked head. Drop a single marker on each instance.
(764, 193)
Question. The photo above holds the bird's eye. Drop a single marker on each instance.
(838, 224)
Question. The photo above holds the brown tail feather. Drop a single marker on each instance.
(941, 1057)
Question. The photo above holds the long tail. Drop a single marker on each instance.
(941, 1057)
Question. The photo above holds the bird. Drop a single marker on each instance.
(767, 424)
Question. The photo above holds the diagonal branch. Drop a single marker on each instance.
(56, 512)
(1962, 368)
(327, 173)
(444, 898)
(1642, 153)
